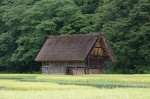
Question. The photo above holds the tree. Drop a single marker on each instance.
(26, 24)
(128, 32)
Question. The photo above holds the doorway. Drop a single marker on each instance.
(69, 71)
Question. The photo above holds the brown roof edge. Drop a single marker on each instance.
(61, 61)
(98, 36)
(73, 35)
(113, 58)
(53, 50)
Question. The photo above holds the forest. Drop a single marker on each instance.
(26, 24)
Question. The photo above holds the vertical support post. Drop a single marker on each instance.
(42, 67)
(65, 68)
(47, 65)
(42, 64)
(88, 65)
(106, 65)
(85, 68)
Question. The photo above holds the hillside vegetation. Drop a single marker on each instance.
(26, 24)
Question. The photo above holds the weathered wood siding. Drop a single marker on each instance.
(54, 68)
(97, 66)
(60, 68)
(95, 71)
(78, 71)
(73, 68)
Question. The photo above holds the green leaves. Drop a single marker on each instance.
(129, 35)
(25, 25)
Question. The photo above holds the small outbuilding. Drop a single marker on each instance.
(75, 54)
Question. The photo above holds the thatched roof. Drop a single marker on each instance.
(67, 48)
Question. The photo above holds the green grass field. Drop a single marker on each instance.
(38, 86)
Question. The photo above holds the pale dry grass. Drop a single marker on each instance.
(102, 77)
(144, 78)
(22, 86)
(15, 85)
(117, 93)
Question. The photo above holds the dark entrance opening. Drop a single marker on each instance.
(69, 71)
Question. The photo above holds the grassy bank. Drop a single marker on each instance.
(37, 86)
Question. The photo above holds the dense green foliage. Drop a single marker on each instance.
(25, 25)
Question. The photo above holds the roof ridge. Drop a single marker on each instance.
(75, 35)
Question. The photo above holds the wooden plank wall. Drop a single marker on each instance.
(74, 69)
(54, 68)
(78, 71)
(95, 71)
(60, 68)
(81, 71)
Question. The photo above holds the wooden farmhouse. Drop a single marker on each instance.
(75, 54)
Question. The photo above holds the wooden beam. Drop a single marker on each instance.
(99, 47)
(97, 57)
(88, 66)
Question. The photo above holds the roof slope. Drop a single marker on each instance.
(67, 48)
(109, 50)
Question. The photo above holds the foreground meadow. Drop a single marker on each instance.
(37, 86)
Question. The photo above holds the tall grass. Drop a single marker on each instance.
(145, 78)
(17, 76)
(37, 86)
(117, 93)
(88, 78)
(15, 85)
